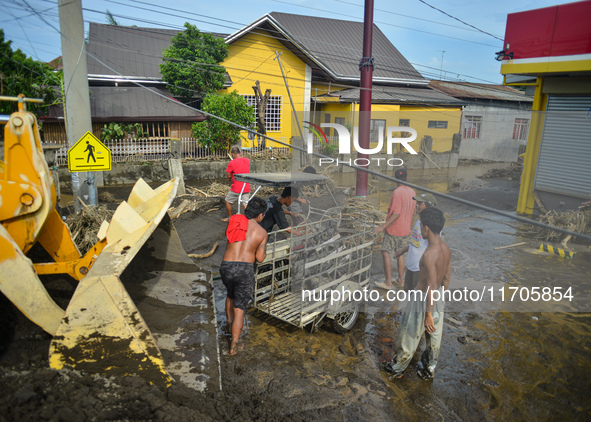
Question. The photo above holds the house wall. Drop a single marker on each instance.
(496, 141)
(252, 58)
(419, 120)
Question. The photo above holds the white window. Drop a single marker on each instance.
(521, 129)
(472, 127)
(272, 113)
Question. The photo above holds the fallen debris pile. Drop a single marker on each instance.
(511, 173)
(85, 225)
(221, 190)
(578, 220)
(373, 212)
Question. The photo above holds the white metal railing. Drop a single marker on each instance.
(130, 151)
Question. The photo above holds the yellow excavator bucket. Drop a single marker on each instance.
(105, 327)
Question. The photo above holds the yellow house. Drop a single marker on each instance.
(311, 66)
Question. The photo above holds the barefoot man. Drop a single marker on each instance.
(425, 315)
(247, 241)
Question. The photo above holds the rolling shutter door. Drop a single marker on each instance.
(564, 163)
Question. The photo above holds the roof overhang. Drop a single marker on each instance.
(268, 19)
(547, 65)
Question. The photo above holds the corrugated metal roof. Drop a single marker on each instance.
(473, 91)
(397, 95)
(127, 51)
(132, 104)
(337, 45)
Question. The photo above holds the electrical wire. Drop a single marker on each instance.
(459, 20)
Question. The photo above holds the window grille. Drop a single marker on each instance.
(472, 127)
(521, 129)
(437, 124)
(272, 112)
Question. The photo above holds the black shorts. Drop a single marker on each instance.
(238, 277)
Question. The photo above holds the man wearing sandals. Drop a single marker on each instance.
(397, 229)
(247, 241)
(425, 314)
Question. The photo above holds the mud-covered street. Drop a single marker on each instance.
(495, 363)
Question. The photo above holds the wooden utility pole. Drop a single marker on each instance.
(366, 68)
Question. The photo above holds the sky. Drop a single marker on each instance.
(457, 42)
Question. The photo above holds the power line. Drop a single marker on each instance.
(336, 58)
(459, 20)
(386, 23)
(406, 16)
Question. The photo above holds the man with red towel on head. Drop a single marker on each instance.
(247, 241)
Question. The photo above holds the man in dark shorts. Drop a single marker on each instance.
(247, 241)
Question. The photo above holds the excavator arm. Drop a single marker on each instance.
(101, 330)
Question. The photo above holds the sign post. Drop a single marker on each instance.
(89, 154)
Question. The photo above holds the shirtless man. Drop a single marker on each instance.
(247, 241)
(426, 315)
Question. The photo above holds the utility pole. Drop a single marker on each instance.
(77, 100)
(296, 159)
(366, 68)
(441, 70)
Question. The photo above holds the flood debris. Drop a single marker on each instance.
(578, 220)
(511, 246)
(513, 172)
(205, 255)
(85, 225)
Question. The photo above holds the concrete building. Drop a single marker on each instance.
(495, 119)
(550, 49)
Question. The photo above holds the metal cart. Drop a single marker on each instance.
(321, 273)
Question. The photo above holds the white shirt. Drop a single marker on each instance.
(416, 248)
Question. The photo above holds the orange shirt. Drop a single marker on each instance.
(403, 205)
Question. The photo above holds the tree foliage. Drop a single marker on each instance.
(191, 63)
(120, 131)
(216, 134)
(20, 74)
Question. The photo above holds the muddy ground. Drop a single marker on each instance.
(495, 364)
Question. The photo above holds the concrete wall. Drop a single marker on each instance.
(129, 173)
(496, 132)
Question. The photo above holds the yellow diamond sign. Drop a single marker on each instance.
(89, 154)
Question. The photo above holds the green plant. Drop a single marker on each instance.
(20, 74)
(122, 131)
(329, 150)
(191, 63)
(216, 134)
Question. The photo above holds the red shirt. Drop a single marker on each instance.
(237, 166)
(403, 205)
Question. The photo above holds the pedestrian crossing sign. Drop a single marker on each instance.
(89, 154)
